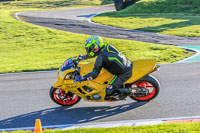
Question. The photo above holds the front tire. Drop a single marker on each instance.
(65, 99)
(151, 84)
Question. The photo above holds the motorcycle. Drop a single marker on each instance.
(66, 92)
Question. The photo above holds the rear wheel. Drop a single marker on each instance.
(60, 97)
(148, 84)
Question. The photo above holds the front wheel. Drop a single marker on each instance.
(60, 97)
(149, 84)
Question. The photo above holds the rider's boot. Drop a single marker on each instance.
(124, 92)
(111, 93)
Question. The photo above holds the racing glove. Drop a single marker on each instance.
(79, 79)
(82, 57)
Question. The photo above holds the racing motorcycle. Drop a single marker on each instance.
(65, 91)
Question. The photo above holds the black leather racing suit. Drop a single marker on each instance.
(114, 62)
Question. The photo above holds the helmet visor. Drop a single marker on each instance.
(90, 48)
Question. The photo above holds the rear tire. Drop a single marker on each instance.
(65, 99)
(150, 83)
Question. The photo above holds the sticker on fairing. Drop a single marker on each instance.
(109, 86)
(90, 78)
(65, 63)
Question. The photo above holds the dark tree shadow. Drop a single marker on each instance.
(185, 20)
(66, 115)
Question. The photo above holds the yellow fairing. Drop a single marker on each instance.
(98, 85)
(141, 68)
(61, 79)
(102, 77)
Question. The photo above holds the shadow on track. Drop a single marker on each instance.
(67, 115)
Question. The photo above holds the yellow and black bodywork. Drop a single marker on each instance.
(140, 69)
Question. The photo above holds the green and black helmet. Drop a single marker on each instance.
(93, 44)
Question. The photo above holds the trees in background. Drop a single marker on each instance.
(121, 4)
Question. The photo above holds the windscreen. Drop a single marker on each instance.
(68, 64)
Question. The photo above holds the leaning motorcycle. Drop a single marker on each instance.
(65, 91)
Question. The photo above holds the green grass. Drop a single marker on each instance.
(25, 47)
(161, 128)
(50, 4)
(165, 6)
(173, 17)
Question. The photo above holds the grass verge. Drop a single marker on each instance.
(173, 17)
(161, 128)
(50, 4)
(25, 47)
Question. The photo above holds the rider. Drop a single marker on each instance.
(110, 59)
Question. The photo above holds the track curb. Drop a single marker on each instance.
(112, 124)
(89, 20)
(191, 57)
(117, 123)
(133, 123)
(181, 61)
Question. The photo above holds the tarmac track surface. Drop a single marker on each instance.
(76, 20)
(25, 96)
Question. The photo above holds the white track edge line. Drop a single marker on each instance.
(142, 122)
(191, 57)
(109, 124)
(181, 61)
(89, 20)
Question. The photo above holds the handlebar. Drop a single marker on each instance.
(75, 61)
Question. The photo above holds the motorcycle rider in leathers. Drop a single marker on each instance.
(109, 58)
